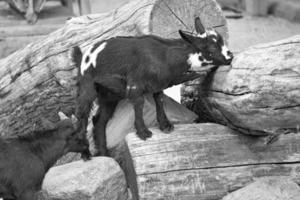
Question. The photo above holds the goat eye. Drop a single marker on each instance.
(200, 58)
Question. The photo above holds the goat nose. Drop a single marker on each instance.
(230, 54)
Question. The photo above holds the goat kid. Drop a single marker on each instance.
(24, 160)
(128, 67)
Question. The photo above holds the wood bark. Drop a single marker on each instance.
(40, 79)
(208, 161)
(259, 94)
(267, 188)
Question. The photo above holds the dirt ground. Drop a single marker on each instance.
(249, 31)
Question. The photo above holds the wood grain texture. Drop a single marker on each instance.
(40, 79)
(267, 188)
(207, 161)
(259, 92)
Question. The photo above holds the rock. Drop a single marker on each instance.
(267, 188)
(98, 179)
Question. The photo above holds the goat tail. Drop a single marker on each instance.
(76, 56)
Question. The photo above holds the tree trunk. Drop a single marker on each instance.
(258, 94)
(40, 79)
(207, 161)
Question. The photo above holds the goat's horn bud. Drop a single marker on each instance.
(74, 119)
(62, 115)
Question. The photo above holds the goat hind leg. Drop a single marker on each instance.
(100, 120)
(164, 124)
(142, 131)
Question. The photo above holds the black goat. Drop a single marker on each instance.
(128, 67)
(24, 160)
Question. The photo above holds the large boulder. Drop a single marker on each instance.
(98, 179)
(268, 188)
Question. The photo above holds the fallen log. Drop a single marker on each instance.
(259, 94)
(12, 44)
(267, 188)
(208, 161)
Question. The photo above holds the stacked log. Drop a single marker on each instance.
(207, 161)
(258, 94)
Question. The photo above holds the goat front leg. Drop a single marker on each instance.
(164, 124)
(141, 130)
(104, 113)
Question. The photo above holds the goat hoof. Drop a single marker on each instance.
(144, 134)
(86, 156)
(166, 127)
(101, 153)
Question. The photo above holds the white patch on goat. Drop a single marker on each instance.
(212, 32)
(195, 62)
(92, 58)
(225, 51)
(130, 88)
(203, 35)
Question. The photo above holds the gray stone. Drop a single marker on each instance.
(98, 179)
(267, 188)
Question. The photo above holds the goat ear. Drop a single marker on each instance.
(198, 26)
(186, 37)
(47, 124)
(62, 115)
